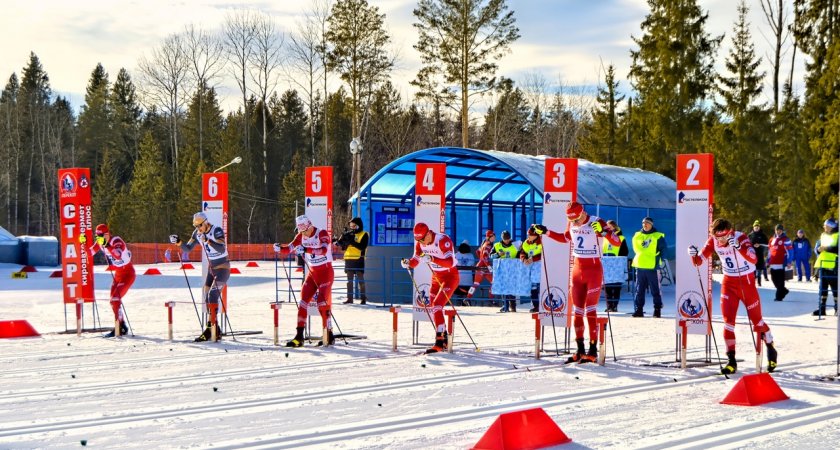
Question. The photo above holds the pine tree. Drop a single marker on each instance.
(505, 124)
(292, 191)
(602, 138)
(672, 73)
(126, 125)
(146, 206)
(105, 188)
(95, 121)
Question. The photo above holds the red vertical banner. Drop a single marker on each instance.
(429, 208)
(214, 203)
(559, 189)
(695, 191)
(319, 196)
(74, 195)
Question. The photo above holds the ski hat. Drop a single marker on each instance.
(489, 233)
(647, 220)
(420, 231)
(302, 223)
(506, 235)
(464, 247)
(780, 227)
(800, 231)
(358, 222)
(574, 210)
(831, 222)
(102, 229)
(532, 231)
(756, 224)
(199, 218)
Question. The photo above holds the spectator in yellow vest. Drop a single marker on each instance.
(826, 250)
(530, 253)
(354, 242)
(649, 246)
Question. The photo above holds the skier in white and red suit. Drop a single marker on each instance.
(737, 258)
(119, 256)
(315, 245)
(436, 250)
(485, 264)
(582, 231)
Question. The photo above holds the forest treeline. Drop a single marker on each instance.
(305, 93)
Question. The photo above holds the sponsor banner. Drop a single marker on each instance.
(429, 197)
(560, 188)
(214, 203)
(318, 206)
(74, 198)
(694, 199)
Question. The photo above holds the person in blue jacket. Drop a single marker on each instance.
(802, 255)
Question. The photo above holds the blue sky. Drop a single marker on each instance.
(563, 41)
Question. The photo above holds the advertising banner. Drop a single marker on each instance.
(319, 206)
(560, 188)
(214, 203)
(74, 197)
(429, 201)
(694, 215)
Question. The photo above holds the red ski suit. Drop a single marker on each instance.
(318, 256)
(483, 266)
(587, 271)
(738, 285)
(119, 256)
(441, 259)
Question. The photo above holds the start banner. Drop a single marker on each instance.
(560, 189)
(694, 215)
(429, 201)
(74, 198)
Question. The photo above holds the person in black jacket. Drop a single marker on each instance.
(760, 243)
(354, 242)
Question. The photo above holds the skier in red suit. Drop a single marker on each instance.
(316, 247)
(436, 250)
(583, 231)
(484, 264)
(119, 256)
(737, 258)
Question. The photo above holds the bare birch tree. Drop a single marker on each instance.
(205, 53)
(239, 34)
(778, 19)
(265, 61)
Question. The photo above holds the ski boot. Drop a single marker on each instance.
(579, 355)
(731, 366)
(591, 355)
(330, 339)
(208, 333)
(821, 310)
(441, 340)
(297, 341)
(772, 356)
(123, 331)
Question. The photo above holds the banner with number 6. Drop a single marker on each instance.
(214, 203)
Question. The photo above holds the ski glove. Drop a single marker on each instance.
(100, 240)
(174, 239)
(692, 251)
(404, 263)
(540, 229)
(300, 250)
(596, 226)
(425, 258)
(201, 237)
(277, 248)
(82, 238)
(733, 242)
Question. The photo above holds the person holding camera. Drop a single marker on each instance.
(354, 242)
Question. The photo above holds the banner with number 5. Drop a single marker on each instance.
(560, 188)
(694, 215)
(319, 197)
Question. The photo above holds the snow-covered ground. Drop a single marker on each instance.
(147, 392)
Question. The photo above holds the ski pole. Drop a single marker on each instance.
(212, 286)
(550, 300)
(709, 314)
(329, 310)
(448, 300)
(122, 305)
(425, 299)
(189, 288)
(756, 345)
(609, 318)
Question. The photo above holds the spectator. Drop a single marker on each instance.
(802, 255)
(826, 250)
(505, 249)
(649, 246)
(354, 242)
(466, 264)
(484, 267)
(781, 255)
(530, 253)
(759, 242)
(613, 290)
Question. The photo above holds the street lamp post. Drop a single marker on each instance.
(356, 150)
(236, 160)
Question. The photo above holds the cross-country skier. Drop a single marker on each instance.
(212, 241)
(484, 266)
(315, 245)
(119, 256)
(737, 256)
(436, 250)
(583, 231)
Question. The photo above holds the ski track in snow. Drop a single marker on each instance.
(148, 392)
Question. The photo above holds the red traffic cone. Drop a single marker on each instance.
(234, 270)
(528, 429)
(252, 264)
(151, 271)
(17, 328)
(187, 266)
(753, 390)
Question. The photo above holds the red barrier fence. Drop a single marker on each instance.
(157, 253)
